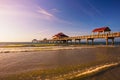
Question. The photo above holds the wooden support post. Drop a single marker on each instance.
(112, 41)
(106, 41)
(92, 41)
(87, 42)
(60, 42)
(70, 41)
(75, 41)
(50, 42)
(67, 41)
(55, 41)
(64, 41)
(79, 41)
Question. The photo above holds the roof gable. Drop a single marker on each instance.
(101, 29)
(61, 35)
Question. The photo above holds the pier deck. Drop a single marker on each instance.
(106, 36)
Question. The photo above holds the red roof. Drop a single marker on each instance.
(61, 35)
(101, 29)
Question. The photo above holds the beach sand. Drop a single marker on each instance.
(50, 58)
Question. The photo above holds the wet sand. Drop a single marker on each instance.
(14, 63)
(111, 74)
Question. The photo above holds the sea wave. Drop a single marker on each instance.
(31, 49)
(86, 73)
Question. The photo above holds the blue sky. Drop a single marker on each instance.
(24, 20)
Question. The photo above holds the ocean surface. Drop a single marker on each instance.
(21, 62)
(29, 43)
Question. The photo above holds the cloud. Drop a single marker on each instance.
(44, 12)
(27, 11)
(55, 10)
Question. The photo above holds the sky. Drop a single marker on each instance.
(24, 20)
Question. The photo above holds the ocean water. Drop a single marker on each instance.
(29, 43)
(21, 62)
(13, 43)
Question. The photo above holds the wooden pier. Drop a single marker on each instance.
(98, 33)
(107, 37)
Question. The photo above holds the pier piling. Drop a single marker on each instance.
(77, 39)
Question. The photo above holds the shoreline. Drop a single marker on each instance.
(67, 62)
(14, 49)
(74, 75)
(95, 70)
(88, 72)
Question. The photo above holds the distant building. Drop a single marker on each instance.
(101, 30)
(45, 39)
(35, 41)
(59, 35)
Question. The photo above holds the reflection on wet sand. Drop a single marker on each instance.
(21, 62)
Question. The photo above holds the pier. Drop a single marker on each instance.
(107, 37)
(98, 33)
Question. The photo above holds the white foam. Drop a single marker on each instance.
(30, 49)
(89, 71)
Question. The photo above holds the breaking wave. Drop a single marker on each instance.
(86, 73)
(31, 49)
